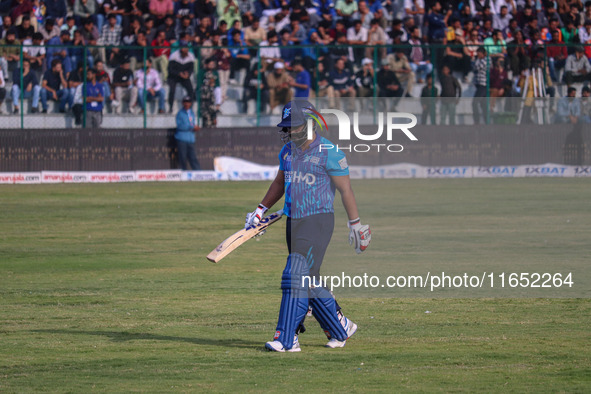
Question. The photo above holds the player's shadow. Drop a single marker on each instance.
(124, 336)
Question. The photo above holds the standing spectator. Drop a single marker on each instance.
(302, 80)
(161, 53)
(428, 95)
(569, 108)
(577, 67)
(58, 49)
(31, 88)
(111, 39)
(498, 76)
(419, 63)
(95, 96)
(186, 126)
(180, 67)
(49, 29)
(78, 102)
(125, 89)
(104, 79)
(54, 86)
(153, 87)
(451, 91)
(278, 83)
(364, 79)
(343, 84)
(9, 52)
(210, 95)
(480, 77)
(75, 79)
(35, 52)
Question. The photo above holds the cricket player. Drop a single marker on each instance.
(309, 173)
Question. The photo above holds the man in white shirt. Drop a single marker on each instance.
(153, 87)
(357, 35)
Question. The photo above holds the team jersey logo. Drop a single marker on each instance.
(286, 113)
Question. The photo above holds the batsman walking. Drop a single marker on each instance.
(309, 173)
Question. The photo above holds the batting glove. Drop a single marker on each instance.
(253, 218)
(359, 235)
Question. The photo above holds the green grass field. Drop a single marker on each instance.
(106, 288)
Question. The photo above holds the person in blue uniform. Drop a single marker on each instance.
(309, 173)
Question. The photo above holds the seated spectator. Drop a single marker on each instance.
(345, 9)
(240, 55)
(364, 79)
(519, 56)
(322, 86)
(54, 86)
(125, 88)
(161, 51)
(278, 83)
(297, 32)
(365, 15)
(152, 89)
(342, 83)
(428, 95)
(204, 30)
(495, 45)
(205, 8)
(416, 10)
(9, 52)
(6, 24)
(577, 68)
(77, 49)
(91, 36)
(451, 91)
(49, 30)
(111, 39)
(302, 80)
(419, 62)
(376, 36)
(83, 10)
(270, 54)
(25, 29)
(34, 52)
(569, 108)
(288, 54)
(57, 10)
(57, 48)
(585, 105)
(169, 29)
(340, 51)
(456, 56)
(401, 66)
(254, 34)
(557, 54)
(160, 9)
(180, 67)
(186, 27)
(184, 8)
(252, 84)
(70, 26)
(357, 35)
(389, 85)
(502, 19)
(31, 88)
(136, 55)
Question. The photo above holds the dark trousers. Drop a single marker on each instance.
(570, 77)
(186, 152)
(172, 82)
(479, 104)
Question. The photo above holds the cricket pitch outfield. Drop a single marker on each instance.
(106, 288)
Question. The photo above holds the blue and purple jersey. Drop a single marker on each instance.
(308, 187)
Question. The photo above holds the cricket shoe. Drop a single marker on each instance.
(349, 327)
(276, 346)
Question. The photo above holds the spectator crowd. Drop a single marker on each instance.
(117, 55)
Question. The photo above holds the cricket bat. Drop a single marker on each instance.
(237, 239)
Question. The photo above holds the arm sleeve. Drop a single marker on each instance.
(281, 154)
(336, 163)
